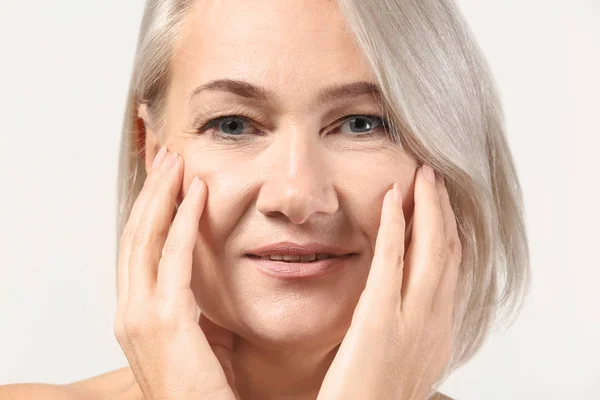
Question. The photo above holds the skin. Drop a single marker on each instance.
(298, 173)
(294, 184)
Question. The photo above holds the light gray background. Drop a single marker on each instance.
(64, 73)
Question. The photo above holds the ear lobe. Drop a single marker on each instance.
(148, 143)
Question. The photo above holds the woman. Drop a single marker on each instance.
(276, 174)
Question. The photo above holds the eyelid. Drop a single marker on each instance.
(239, 111)
(350, 110)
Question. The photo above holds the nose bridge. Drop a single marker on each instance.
(297, 183)
(299, 156)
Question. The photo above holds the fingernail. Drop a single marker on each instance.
(397, 193)
(172, 159)
(160, 156)
(428, 173)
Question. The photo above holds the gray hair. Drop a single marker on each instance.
(443, 107)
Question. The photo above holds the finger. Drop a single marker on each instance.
(444, 298)
(385, 276)
(152, 230)
(427, 252)
(175, 268)
(132, 223)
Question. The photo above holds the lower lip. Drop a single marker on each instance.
(296, 270)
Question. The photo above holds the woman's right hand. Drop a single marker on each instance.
(171, 353)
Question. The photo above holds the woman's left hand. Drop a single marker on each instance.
(400, 338)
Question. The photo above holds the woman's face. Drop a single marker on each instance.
(297, 169)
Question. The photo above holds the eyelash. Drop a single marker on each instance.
(214, 123)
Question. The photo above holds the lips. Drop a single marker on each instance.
(295, 249)
(301, 270)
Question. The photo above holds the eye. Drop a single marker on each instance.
(233, 127)
(227, 126)
(362, 125)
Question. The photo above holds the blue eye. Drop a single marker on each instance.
(363, 123)
(231, 127)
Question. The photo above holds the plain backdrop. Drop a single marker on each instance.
(64, 73)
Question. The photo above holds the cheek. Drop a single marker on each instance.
(365, 184)
(361, 182)
(226, 182)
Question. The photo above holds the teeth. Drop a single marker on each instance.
(308, 257)
(303, 258)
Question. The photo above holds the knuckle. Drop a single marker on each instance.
(173, 247)
(140, 239)
(137, 323)
(144, 238)
(119, 331)
(165, 317)
(439, 254)
(391, 253)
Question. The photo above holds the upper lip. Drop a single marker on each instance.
(295, 249)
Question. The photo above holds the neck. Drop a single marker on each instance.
(291, 373)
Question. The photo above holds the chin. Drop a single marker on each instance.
(284, 321)
(278, 313)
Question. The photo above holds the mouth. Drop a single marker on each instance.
(299, 259)
(300, 267)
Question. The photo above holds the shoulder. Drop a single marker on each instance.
(117, 384)
(18, 391)
(440, 396)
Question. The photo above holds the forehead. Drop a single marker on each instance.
(296, 45)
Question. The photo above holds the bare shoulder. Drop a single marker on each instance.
(109, 383)
(117, 384)
(22, 391)
(440, 396)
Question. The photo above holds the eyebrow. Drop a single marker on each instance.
(248, 90)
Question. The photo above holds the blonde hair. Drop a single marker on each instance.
(443, 107)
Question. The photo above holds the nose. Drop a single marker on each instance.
(298, 182)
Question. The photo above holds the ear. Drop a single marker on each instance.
(147, 138)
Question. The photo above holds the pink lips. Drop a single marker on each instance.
(295, 270)
(295, 249)
(339, 256)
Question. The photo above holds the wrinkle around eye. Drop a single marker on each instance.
(202, 116)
